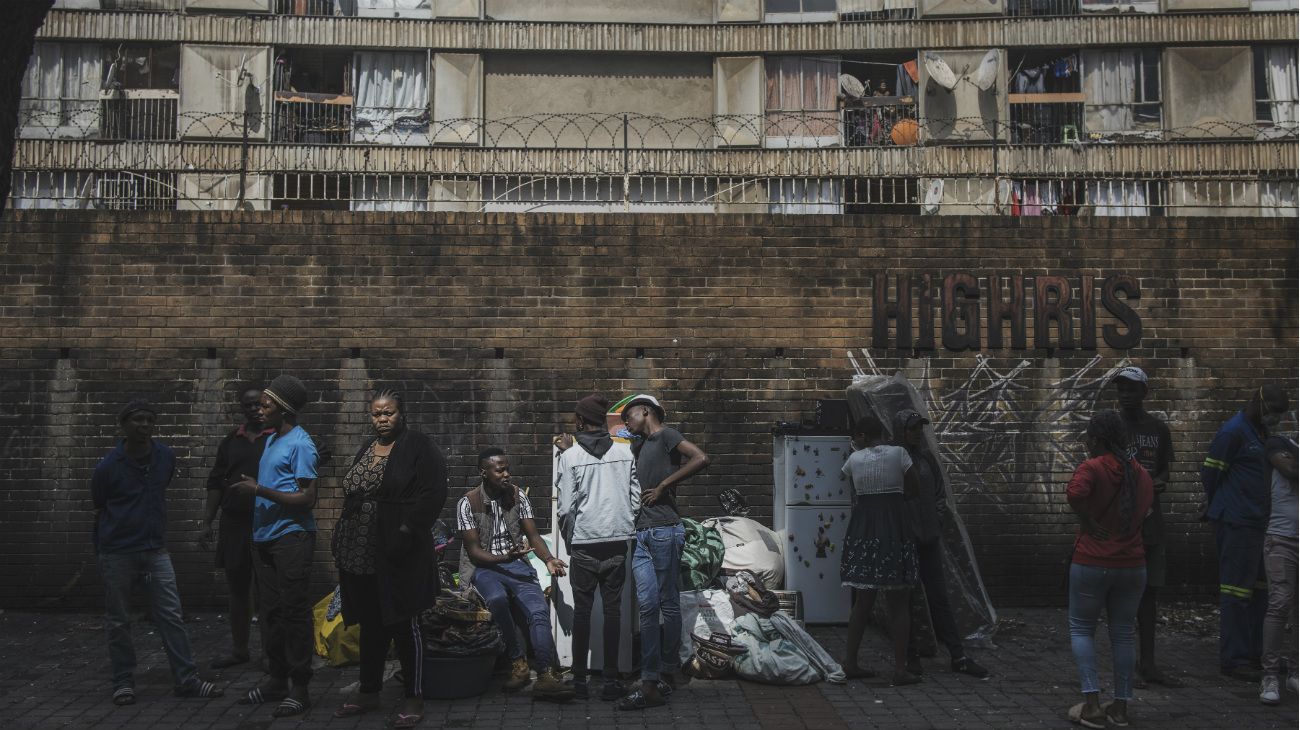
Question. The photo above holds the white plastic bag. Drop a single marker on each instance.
(703, 612)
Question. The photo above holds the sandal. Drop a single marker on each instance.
(200, 689)
(357, 703)
(265, 692)
(664, 688)
(1076, 717)
(290, 706)
(123, 696)
(638, 701)
(404, 720)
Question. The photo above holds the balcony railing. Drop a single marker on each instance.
(856, 10)
(1042, 8)
(307, 7)
(306, 118)
(1046, 118)
(145, 114)
(880, 121)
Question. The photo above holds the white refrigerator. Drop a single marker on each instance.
(811, 503)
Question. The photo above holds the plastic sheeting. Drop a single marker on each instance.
(883, 397)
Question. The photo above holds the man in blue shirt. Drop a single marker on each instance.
(1237, 478)
(129, 493)
(284, 537)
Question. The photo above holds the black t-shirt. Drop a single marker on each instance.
(1153, 447)
(656, 460)
(236, 456)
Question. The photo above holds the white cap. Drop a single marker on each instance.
(1132, 373)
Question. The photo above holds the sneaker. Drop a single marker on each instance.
(1269, 693)
(550, 687)
(613, 690)
(966, 665)
(519, 675)
(1291, 683)
(579, 687)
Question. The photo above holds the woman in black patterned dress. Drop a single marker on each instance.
(384, 552)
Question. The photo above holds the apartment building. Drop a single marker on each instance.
(937, 107)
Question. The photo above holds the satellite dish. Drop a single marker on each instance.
(987, 73)
(852, 86)
(940, 72)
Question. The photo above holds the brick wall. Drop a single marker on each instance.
(494, 324)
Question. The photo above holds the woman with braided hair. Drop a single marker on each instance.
(383, 548)
(1111, 494)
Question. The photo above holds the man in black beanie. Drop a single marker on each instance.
(284, 536)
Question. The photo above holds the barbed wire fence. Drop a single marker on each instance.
(144, 153)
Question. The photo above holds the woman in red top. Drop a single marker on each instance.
(1111, 494)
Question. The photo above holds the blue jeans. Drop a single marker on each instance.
(1119, 591)
(655, 566)
(152, 569)
(517, 581)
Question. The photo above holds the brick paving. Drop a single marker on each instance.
(54, 674)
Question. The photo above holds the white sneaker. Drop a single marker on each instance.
(1290, 683)
(1268, 690)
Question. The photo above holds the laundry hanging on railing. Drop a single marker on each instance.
(1034, 79)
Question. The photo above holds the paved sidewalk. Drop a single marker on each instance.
(54, 673)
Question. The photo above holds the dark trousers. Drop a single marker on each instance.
(930, 556)
(1243, 596)
(283, 569)
(362, 591)
(601, 565)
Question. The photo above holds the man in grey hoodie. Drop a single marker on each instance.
(598, 501)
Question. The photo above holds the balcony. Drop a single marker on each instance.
(880, 121)
(1046, 118)
(1042, 8)
(138, 114)
(308, 118)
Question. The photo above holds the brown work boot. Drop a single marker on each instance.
(519, 675)
(549, 686)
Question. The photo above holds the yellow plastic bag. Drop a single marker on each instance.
(337, 644)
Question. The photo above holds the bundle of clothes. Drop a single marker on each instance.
(762, 643)
(459, 625)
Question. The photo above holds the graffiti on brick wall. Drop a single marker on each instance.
(999, 429)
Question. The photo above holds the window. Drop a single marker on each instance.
(799, 11)
(394, 8)
(1275, 90)
(1046, 99)
(313, 96)
(896, 195)
(311, 191)
(1125, 198)
(599, 194)
(851, 10)
(140, 98)
(1121, 90)
(61, 91)
(884, 113)
(801, 102)
(392, 98)
(128, 190)
(53, 190)
(805, 196)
